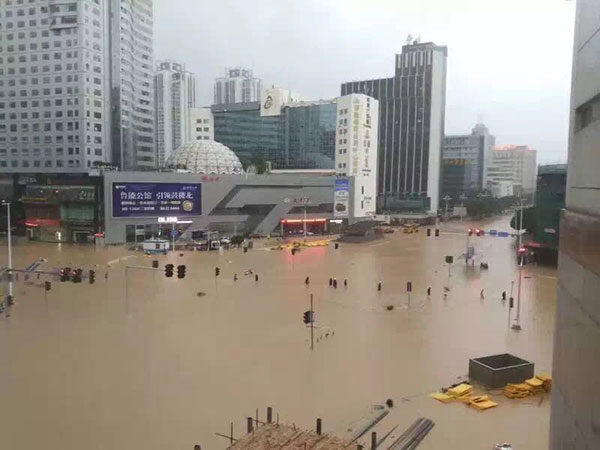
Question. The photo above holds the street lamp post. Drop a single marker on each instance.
(447, 198)
(8, 235)
(521, 224)
(517, 325)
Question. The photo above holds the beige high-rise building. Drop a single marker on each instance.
(575, 420)
(512, 165)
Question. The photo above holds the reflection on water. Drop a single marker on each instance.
(162, 368)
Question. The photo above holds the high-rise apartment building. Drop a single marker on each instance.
(76, 86)
(237, 86)
(132, 83)
(512, 165)
(54, 89)
(356, 148)
(175, 95)
(464, 159)
(411, 124)
(575, 417)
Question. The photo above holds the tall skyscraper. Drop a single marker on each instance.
(514, 165)
(237, 86)
(132, 84)
(575, 417)
(464, 160)
(54, 89)
(175, 95)
(411, 124)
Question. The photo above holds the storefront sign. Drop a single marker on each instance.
(156, 199)
(341, 198)
(170, 219)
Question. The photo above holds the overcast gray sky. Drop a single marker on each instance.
(509, 61)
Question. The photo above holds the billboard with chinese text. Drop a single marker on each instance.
(156, 199)
(341, 197)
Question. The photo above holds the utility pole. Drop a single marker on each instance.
(517, 325)
(173, 234)
(521, 224)
(312, 343)
(447, 198)
(8, 235)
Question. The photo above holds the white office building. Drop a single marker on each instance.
(237, 86)
(175, 95)
(54, 92)
(76, 87)
(356, 148)
(512, 164)
(132, 83)
(201, 125)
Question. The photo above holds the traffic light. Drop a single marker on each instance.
(478, 232)
(169, 270)
(76, 278)
(217, 271)
(155, 264)
(428, 232)
(470, 231)
(449, 259)
(47, 286)
(65, 274)
(437, 232)
(181, 271)
(308, 317)
(92, 276)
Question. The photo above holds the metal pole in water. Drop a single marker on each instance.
(312, 342)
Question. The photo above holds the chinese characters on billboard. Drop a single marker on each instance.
(341, 198)
(156, 199)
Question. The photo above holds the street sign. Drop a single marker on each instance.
(170, 219)
(409, 286)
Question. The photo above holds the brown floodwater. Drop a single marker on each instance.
(161, 368)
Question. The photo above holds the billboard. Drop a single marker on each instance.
(341, 197)
(156, 199)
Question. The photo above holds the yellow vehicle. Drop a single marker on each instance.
(411, 228)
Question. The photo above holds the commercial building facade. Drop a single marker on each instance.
(575, 416)
(411, 125)
(309, 136)
(201, 125)
(237, 86)
(463, 163)
(230, 204)
(175, 95)
(54, 86)
(132, 84)
(513, 164)
(243, 129)
(356, 149)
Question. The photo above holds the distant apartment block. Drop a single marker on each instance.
(175, 95)
(237, 86)
(513, 165)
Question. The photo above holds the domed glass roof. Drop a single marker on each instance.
(205, 157)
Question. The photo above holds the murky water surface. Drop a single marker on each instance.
(161, 368)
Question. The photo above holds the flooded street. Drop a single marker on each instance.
(158, 367)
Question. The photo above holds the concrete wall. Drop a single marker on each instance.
(575, 420)
(273, 194)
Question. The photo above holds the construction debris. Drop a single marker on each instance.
(464, 393)
(533, 386)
